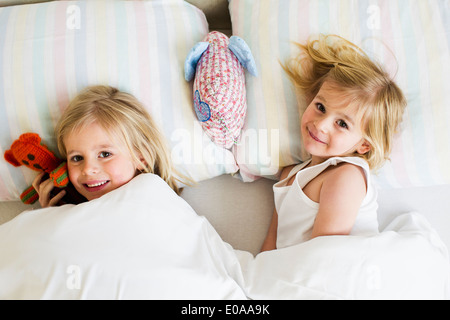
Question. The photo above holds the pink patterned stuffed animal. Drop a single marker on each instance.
(219, 85)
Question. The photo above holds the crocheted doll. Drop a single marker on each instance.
(217, 64)
(30, 152)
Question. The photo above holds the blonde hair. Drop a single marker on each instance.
(122, 115)
(345, 66)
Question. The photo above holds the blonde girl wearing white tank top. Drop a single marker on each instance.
(347, 129)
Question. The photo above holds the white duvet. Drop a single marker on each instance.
(142, 241)
(405, 261)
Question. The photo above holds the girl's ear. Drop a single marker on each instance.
(142, 165)
(364, 147)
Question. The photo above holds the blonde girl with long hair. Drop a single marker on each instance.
(353, 110)
(107, 138)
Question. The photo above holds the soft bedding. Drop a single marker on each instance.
(50, 51)
(410, 38)
(405, 261)
(142, 241)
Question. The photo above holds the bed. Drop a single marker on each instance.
(210, 241)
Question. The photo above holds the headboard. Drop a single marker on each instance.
(216, 11)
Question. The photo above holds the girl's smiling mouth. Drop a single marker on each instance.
(93, 186)
(315, 138)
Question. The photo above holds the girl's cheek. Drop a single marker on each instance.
(72, 173)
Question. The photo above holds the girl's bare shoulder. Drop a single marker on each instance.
(345, 177)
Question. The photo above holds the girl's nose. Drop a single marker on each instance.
(322, 124)
(90, 167)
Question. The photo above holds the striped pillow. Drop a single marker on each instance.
(50, 51)
(410, 38)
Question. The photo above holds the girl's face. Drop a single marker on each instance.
(97, 163)
(331, 127)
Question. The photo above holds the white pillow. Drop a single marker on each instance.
(141, 241)
(412, 40)
(51, 51)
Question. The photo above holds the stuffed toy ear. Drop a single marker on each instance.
(30, 137)
(9, 157)
(192, 58)
(243, 53)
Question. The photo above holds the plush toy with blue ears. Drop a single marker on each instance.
(220, 103)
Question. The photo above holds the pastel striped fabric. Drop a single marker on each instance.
(410, 38)
(50, 51)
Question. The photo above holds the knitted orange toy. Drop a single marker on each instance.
(29, 151)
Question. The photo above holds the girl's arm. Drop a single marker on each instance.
(341, 196)
(270, 243)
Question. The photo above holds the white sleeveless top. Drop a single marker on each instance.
(297, 212)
